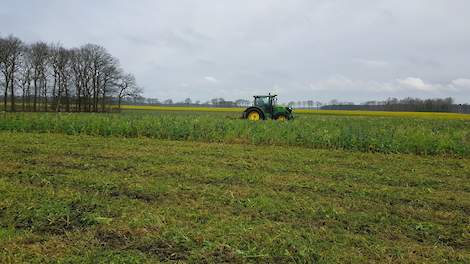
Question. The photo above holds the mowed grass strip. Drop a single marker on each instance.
(112, 199)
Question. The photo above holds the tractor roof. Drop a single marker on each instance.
(271, 95)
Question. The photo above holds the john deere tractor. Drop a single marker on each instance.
(265, 107)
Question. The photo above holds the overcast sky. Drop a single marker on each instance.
(351, 50)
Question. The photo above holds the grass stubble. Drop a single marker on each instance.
(97, 197)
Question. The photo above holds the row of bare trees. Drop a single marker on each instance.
(49, 77)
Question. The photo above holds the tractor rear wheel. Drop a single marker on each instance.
(253, 115)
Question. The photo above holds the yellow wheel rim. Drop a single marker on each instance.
(281, 118)
(253, 116)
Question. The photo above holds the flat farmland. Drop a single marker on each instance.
(164, 186)
(431, 115)
(354, 130)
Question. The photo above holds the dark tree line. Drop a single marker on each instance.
(215, 102)
(406, 104)
(50, 77)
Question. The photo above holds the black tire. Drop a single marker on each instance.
(253, 109)
(279, 116)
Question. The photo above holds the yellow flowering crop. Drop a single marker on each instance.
(432, 115)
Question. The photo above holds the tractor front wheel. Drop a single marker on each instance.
(281, 118)
(253, 115)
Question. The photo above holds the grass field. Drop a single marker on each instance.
(90, 199)
(200, 186)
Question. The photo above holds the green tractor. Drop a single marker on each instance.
(265, 107)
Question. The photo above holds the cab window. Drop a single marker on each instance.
(274, 101)
(262, 101)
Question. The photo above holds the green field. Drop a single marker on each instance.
(206, 187)
(408, 135)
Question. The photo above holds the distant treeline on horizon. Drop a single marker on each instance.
(391, 104)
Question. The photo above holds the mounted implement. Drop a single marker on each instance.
(265, 107)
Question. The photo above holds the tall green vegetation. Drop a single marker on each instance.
(365, 134)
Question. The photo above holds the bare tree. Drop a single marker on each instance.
(39, 53)
(110, 78)
(25, 77)
(11, 48)
(61, 65)
(65, 73)
(242, 102)
(54, 63)
(86, 75)
(127, 88)
(318, 104)
(5, 82)
(98, 61)
(77, 69)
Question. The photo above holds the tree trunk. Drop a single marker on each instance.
(35, 95)
(57, 102)
(28, 92)
(79, 100)
(12, 84)
(54, 91)
(23, 96)
(67, 99)
(45, 95)
(5, 96)
(23, 105)
(103, 102)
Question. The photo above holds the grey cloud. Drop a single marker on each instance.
(297, 48)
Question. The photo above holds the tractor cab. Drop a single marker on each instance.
(265, 107)
(265, 102)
